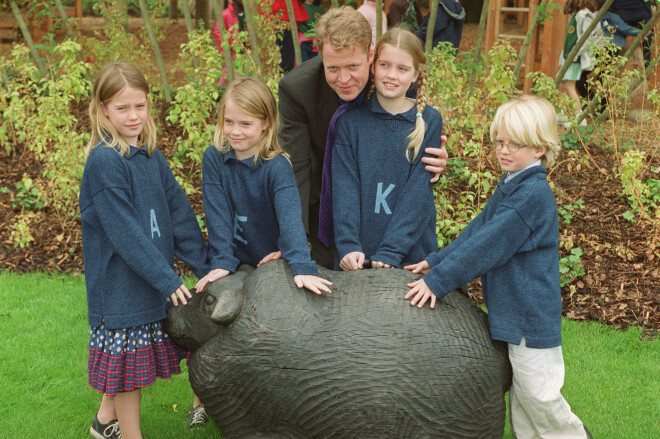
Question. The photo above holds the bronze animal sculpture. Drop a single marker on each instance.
(273, 361)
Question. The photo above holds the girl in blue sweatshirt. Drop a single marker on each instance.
(251, 201)
(135, 218)
(513, 246)
(383, 207)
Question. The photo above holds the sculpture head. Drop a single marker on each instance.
(202, 318)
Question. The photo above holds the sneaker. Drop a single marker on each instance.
(197, 417)
(587, 431)
(105, 431)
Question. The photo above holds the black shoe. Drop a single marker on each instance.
(105, 431)
(197, 417)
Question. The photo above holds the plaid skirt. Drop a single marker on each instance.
(123, 360)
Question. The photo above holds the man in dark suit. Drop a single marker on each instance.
(309, 96)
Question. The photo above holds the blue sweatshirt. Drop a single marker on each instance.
(135, 219)
(448, 24)
(253, 210)
(616, 29)
(382, 204)
(513, 245)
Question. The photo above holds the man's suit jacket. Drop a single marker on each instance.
(306, 105)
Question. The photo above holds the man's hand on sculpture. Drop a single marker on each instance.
(352, 261)
(436, 165)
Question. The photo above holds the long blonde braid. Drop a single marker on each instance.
(416, 138)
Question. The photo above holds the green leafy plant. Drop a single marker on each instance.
(638, 194)
(115, 43)
(566, 211)
(27, 196)
(194, 104)
(20, 234)
(38, 117)
(570, 267)
(467, 114)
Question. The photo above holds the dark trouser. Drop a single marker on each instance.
(286, 51)
(323, 256)
(307, 51)
(646, 42)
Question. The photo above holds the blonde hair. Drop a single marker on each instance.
(111, 80)
(405, 40)
(255, 99)
(530, 120)
(343, 28)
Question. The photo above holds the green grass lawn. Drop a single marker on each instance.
(612, 377)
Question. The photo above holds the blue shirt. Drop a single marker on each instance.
(513, 244)
(382, 203)
(135, 218)
(253, 210)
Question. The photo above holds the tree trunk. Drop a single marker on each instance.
(203, 12)
(189, 26)
(121, 7)
(224, 35)
(252, 34)
(156, 49)
(26, 36)
(379, 18)
(294, 32)
(479, 44)
(429, 30)
(174, 9)
(538, 16)
(65, 21)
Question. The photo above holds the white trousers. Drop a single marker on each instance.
(536, 406)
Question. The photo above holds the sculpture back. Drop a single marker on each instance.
(360, 362)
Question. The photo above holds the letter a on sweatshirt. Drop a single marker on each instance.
(154, 224)
(381, 198)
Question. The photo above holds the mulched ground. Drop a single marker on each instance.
(622, 273)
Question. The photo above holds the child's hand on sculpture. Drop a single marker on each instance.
(422, 294)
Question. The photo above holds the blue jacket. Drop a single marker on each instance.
(382, 204)
(513, 245)
(612, 22)
(448, 24)
(135, 219)
(253, 210)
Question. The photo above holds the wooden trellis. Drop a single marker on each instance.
(510, 20)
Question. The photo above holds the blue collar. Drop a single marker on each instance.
(521, 175)
(132, 152)
(509, 176)
(249, 162)
(377, 108)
